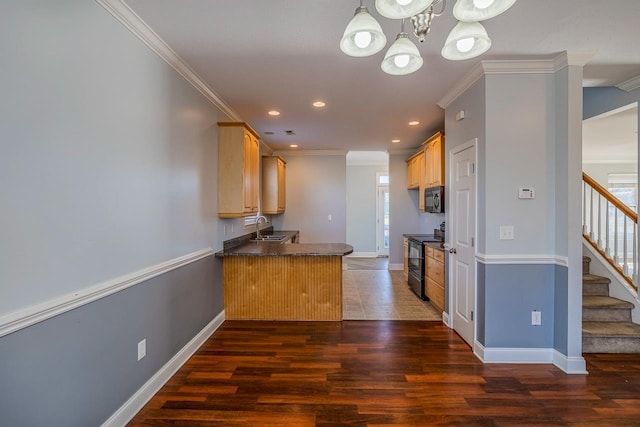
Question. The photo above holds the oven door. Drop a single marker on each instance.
(416, 268)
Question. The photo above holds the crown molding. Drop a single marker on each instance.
(311, 153)
(515, 66)
(123, 13)
(629, 85)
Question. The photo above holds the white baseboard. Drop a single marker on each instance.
(135, 403)
(445, 319)
(362, 255)
(570, 365)
(396, 267)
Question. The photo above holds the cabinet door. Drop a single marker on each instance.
(282, 195)
(251, 168)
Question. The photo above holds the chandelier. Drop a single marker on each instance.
(468, 39)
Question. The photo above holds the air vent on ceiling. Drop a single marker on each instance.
(290, 132)
(268, 133)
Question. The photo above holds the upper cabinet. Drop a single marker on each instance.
(238, 170)
(274, 172)
(434, 161)
(415, 165)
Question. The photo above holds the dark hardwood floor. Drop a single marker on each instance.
(381, 373)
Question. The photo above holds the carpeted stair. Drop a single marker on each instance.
(606, 321)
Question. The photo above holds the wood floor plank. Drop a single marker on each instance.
(381, 373)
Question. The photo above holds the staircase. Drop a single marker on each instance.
(606, 321)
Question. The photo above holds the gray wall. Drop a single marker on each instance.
(403, 209)
(362, 206)
(316, 188)
(109, 166)
(600, 171)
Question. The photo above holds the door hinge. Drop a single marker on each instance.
(472, 316)
(473, 241)
(473, 168)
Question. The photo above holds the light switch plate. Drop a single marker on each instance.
(506, 232)
(536, 318)
(142, 349)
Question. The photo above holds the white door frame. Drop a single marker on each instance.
(380, 250)
(455, 150)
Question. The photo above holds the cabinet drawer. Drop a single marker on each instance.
(435, 292)
(435, 271)
(438, 255)
(428, 251)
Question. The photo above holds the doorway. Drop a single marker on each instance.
(382, 215)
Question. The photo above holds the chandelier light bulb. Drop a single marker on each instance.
(362, 39)
(465, 45)
(401, 61)
(482, 4)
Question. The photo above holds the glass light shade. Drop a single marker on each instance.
(469, 10)
(402, 57)
(395, 9)
(459, 38)
(355, 38)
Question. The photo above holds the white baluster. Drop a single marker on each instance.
(599, 220)
(607, 249)
(591, 215)
(625, 264)
(615, 236)
(584, 208)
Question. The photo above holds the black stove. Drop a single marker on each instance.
(416, 262)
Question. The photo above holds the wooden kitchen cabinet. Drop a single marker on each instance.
(435, 277)
(274, 171)
(238, 170)
(414, 170)
(434, 160)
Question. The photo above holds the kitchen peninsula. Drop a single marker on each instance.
(266, 280)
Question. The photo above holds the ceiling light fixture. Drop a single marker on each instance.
(293, 145)
(468, 39)
(274, 113)
(414, 123)
(395, 141)
(319, 104)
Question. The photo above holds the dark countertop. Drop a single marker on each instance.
(287, 249)
(243, 246)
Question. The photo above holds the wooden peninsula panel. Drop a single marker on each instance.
(283, 287)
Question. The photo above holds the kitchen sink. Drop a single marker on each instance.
(270, 238)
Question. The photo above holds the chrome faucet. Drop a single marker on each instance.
(258, 218)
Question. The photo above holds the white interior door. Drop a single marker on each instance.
(462, 253)
(382, 219)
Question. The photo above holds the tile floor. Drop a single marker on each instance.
(382, 295)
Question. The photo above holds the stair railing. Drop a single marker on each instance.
(611, 227)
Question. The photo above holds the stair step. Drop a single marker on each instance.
(610, 337)
(585, 264)
(597, 308)
(595, 285)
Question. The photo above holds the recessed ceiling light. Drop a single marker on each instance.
(319, 104)
(395, 141)
(274, 113)
(268, 133)
(293, 145)
(414, 123)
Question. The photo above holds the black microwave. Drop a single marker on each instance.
(434, 199)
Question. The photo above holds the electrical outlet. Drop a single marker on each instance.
(142, 349)
(506, 232)
(536, 318)
(329, 217)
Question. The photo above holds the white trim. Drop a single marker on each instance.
(523, 259)
(135, 403)
(311, 153)
(445, 319)
(35, 313)
(461, 87)
(517, 66)
(362, 255)
(123, 13)
(629, 85)
(570, 365)
(396, 267)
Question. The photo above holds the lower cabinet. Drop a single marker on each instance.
(435, 277)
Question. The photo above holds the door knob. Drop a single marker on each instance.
(453, 251)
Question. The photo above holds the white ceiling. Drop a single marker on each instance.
(611, 137)
(259, 55)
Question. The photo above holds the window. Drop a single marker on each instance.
(625, 187)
